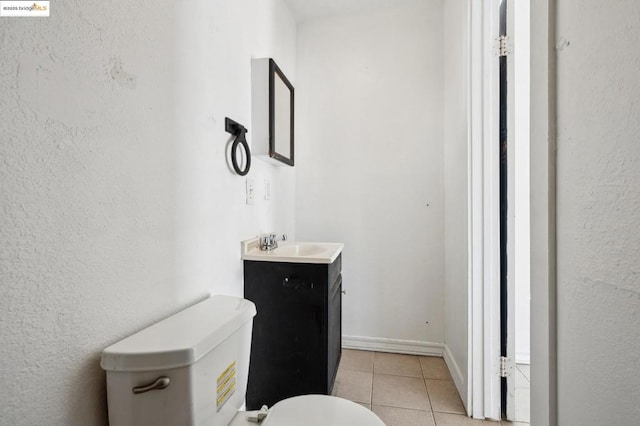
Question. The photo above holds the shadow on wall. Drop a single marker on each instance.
(88, 392)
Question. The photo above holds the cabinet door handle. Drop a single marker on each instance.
(344, 291)
(296, 283)
(291, 281)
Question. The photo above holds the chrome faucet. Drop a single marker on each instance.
(270, 241)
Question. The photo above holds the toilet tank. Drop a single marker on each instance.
(188, 369)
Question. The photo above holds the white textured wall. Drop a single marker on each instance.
(598, 207)
(456, 230)
(369, 163)
(117, 205)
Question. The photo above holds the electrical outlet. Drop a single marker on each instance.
(251, 191)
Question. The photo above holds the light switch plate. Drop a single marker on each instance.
(267, 189)
(251, 191)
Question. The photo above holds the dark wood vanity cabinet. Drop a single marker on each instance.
(297, 332)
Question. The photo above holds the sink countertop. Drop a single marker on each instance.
(292, 251)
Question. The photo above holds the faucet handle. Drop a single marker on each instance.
(284, 237)
(268, 241)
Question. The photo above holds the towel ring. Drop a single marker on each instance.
(239, 131)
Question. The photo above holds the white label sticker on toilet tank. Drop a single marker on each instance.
(226, 385)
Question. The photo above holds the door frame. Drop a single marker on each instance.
(484, 212)
(484, 296)
(544, 401)
(508, 265)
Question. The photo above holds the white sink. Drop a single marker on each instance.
(298, 249)
(294, 252)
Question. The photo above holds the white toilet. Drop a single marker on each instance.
(191, 369)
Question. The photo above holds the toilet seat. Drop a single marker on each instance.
(320, 410)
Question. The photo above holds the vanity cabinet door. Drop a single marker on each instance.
(289, 345)
(297, 332)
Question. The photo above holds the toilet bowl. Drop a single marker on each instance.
(192, 369)
(314, 410)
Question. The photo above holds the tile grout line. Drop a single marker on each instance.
(429, 397)
(424, 380)
(373, 377)
(402, 375)
(404, 408)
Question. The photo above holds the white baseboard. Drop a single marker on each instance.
(379, 344)
(456, 374)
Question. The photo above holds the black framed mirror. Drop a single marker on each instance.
(281, 116)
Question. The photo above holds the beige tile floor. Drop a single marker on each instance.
(403, 390)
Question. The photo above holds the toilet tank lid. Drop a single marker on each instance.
(181, 339)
